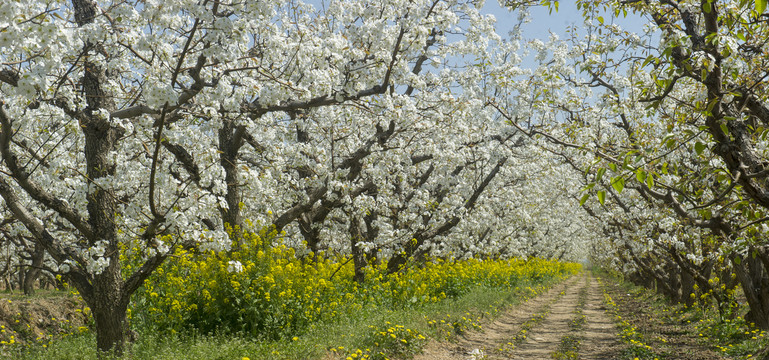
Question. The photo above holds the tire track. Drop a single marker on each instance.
(545, 339)
(500, 331)
(600, 339)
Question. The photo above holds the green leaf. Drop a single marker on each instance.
(584, 198)
(725, 129)
(613, 167)
(650, 181)
(600, 19)
(640, 175)
(760, 6)
(721, 178)
(671, 143)
(602, 196)
(699, 148)
(599, 175)
(618, 183)
(647, 60)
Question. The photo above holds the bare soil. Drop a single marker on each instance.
(543, 340)
(665, 333)
(39, 319)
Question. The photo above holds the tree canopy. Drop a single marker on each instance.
(388, 130)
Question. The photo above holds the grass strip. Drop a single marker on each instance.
(357, 336)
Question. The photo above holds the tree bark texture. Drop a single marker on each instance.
(754, 278)
(105, 295)
(38, 255)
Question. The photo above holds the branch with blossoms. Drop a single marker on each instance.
(32, 188)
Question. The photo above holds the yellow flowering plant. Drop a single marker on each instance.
(260, 288)
(263, 289)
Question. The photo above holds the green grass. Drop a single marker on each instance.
(361, 331)
(18, 295)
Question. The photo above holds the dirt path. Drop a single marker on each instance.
(544, 340)
(537, 328)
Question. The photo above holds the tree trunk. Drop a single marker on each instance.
(399, 260)
(104, 296)
(34, 270)
(371, 234)
(109, 305)
(641, 279)
(29, 281)
(358, 257)
(105, 292)
(230, 142)
(687, 288)
(110, 322)
(310, 234)
(413, 246)
(676, 275)
(755, 285)
(20, 277)
(310, 225)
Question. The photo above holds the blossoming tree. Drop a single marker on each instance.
(135, 127)
(671, 135)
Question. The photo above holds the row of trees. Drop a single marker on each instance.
(357, 127)
(668, 126)
(390, 131)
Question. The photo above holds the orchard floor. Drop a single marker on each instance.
(40, 318)
(572, 320)
(544, 339)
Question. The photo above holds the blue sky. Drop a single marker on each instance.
(543, 21)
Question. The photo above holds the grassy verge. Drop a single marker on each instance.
(262, 301)
(360, 335)
(635, 341)
(370, 333)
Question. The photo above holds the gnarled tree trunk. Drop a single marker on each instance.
(754, 278)
(38, 255)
